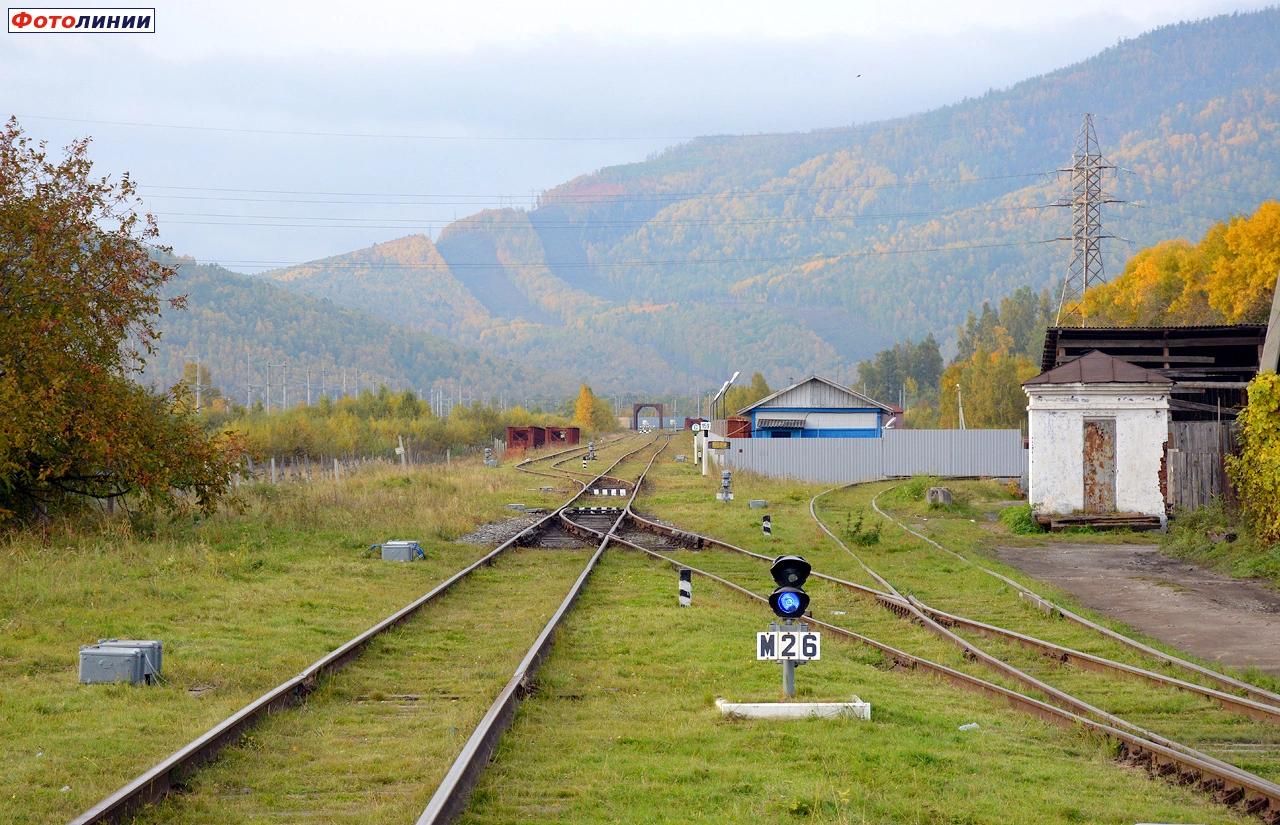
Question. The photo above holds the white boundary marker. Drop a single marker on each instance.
(857, 709)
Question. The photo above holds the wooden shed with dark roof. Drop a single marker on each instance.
(1209, 366)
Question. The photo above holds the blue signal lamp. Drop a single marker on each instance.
(789, 602)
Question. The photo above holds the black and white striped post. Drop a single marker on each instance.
(686, 587)
(767, 526)
(584, 462)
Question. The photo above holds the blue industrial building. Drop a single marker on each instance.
(817, 408)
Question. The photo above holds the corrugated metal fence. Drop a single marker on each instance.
(997, 453)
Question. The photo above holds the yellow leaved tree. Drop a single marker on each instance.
(1226, 278)
(1255, 472)
(591, 412)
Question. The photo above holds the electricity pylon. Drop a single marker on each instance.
(1086, 200)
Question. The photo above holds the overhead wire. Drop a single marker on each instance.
(633, 197)
(411, 223)
(193, 127)
(833, 258)
(813, 134)
(1207, 188)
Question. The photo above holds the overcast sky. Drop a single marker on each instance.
(464, 105)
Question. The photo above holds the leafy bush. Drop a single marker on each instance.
(1256, 470)
(79, 308)
(1020, 521)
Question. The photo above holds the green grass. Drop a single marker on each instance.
(371, 744)
(623, 729)
(1219, 539)
(241, 602)
(1020, 521)
(954, 585)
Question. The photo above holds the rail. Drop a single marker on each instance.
(157, 781)
(451, 796)
(1134, 737)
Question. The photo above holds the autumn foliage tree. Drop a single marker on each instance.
(744, 396)
(997, 350)
(1228, 277)
(78, 295)
(591, 412)
(1255, 471)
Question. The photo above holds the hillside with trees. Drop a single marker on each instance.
(238, 325)
(808, 252)
(1227, 277)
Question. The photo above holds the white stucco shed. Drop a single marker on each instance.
(1098, 427)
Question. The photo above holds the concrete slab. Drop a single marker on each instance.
(856, 709)
(1231, 621)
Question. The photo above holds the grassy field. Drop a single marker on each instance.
(1221, 540)
(241, 602)
(682, 496)
(623, 728)
(372, 743)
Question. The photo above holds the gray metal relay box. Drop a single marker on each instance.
(401, 551)
(121, 660)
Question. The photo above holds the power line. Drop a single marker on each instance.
(411, 223)
(553, 200)
(625, 195)
(911, 122)
(320, 264)
(380, 135)
(1224, 192)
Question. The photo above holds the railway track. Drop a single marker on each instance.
(587, 523)
(1162, 756)
(896, 602)
(451, 796)
(175, 770)
(1225, 682)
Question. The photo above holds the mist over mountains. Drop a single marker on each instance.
(805, 252)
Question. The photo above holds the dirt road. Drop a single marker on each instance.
(1215, 617)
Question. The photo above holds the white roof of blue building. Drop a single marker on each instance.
(816, 393)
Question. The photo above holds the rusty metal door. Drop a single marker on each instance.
(1100, 465)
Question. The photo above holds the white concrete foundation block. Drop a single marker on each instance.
(856, 709)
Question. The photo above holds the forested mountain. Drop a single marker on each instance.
(797, 253)
(237, 325)
(1227, 277)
